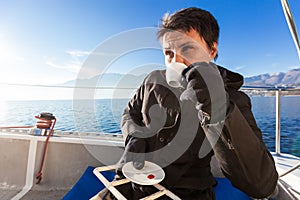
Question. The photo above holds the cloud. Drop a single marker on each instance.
(239, 67)
(294, 67)
(269, 55)
(75, 60)
(78, 53)
(71, 66)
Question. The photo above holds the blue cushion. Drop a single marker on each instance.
(89, 185)
(224, 190)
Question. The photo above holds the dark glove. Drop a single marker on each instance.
(135, 151)
(205, 88)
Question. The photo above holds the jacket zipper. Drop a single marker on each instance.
(227, 139)
(224, 137)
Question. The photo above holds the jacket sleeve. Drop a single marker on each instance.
(143, 115)
(132, 119)
(240, 150)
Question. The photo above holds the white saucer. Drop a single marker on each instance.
(150, 174)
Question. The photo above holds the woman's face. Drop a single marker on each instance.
(187, 48)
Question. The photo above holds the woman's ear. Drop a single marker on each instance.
(214, 50)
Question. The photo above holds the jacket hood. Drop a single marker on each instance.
(231, 79)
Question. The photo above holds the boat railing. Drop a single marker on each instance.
(277, 92)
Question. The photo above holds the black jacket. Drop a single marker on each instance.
(175, 138)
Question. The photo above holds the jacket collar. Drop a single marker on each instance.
(231, 79)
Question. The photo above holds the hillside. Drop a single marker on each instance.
(290, 78)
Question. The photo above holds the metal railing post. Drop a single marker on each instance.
(277, 138)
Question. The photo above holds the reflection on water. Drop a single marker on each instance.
(104, 116)
(264, 109)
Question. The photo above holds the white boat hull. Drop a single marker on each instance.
(67, 158)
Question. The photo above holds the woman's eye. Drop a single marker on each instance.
(186, 48)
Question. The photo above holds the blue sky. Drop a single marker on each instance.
(46, 42)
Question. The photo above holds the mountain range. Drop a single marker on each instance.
(109, 80)
(290, 78)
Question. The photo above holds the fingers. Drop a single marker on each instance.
(135, 152)
(139, 164)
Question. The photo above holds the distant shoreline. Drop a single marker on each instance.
(270, 93)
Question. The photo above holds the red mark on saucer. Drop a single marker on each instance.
(150, 176)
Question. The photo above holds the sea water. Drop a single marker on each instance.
(104, 115)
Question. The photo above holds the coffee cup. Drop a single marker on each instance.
(174, 74)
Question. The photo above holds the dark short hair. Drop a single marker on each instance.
(186, 19)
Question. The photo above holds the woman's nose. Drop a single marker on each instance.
(177, 58)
